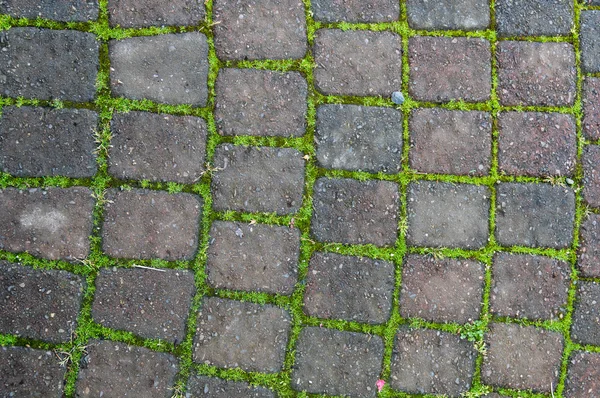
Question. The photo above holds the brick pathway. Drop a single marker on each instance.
(220, 198)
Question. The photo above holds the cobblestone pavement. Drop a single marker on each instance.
(300, 198)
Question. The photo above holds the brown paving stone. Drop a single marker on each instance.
(588, 256)
(534, 17)
(590, 162)
(585, 328)
(590, 41)
(64, 11)
(591, 108)
(355, 10)
(204, 386)
(144, 13)
(583, 375)
(448, 14)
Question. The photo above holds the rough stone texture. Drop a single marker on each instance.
(142, 68)
(535, 215)
(591, 175)
(332, 362)
(37, 142)
(147, 224)
(54, 224)
(257, 179)
(533, 73)
(359, 138)
(204, 386)
(253, 257)
(448, 14)
(585, 328)
(260, 102)
(450, 142)
(534, 17)
(357, 62)
(149, 146)
(48, 64)
(65, 11)
(590, 41)
(252, 29)
(446, 290)
(591, 108)
(143, 13)
(588, 257)
(448, 215)
(355, 10)
(446, 68)
(583, 376)
(355, 212)
(233, 334)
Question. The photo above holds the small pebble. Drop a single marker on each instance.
(570, 182)
(397, 98)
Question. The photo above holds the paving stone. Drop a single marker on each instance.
(494, 395)
(257, 179)
(588, 256)
(591, 175)
(356, 62)
(355, 212)
(253, 257)
(450, 142)
(590, 41)
(444, 290)
(446, 68)
(448, 215)
(534, 215)
(147, 224)
(260, 102)
(431, 361)
(232, 334)
(534, 17)
(151, 304)
(355, 10)
(204, 386)
(332, 362)
(142, 68)
(448, 14)
(532, 73)
(149, 146)
(359, 138)
(251, 29)
(48, 64)
(591, 108)
(143, 13)
(37, 142)
(54, 223)
(585, 328)
(583, 376)
(65, 11)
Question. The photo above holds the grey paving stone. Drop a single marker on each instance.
(359, 138)
(260, 102)
(142, 68)
(590, 161)
(585, 328)
(591, 108)
(332, 362)
(355, 10)
(448, 215)
(448, 14)
(583, 376)
(233, 334)
(147, 224)
(48, 64)
(204, 386)
(54, 223)
(588, 256)
(143, 13)
(534, 17)
(257, 179)
(149, 146)
(65, 11)
(37, 142)
(590, 41)
(357, 62)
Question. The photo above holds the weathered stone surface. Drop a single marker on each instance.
(585, 328)
(590, 161)
(590, 41)
(588, 256)
(448, 14)
(583, 375)
(204, 386)
(534, 17)
(591, 108)
(355, 10)
(143, 13)
(65, 11)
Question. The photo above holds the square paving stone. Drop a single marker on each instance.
(449, 68)
(252, 29)
(233, 334)
(531, 73)
(448, 215)
(357, 62)
(590, 161)
(54, 223)
(448, 14)
(590, 41)
(585, 328)
(591, 108)
(149, 146)
(48, 64)
(444, 290)
(332, 362)
(355, 10)
(38, 142)
(583, 376)
(143, 13)
(260, 102)
(534, 215)
(588, 257)
(147, 224)
(142, 68)
(359, 138)
(257, 179)
(64, 11)
(534, 17)
(204, 386)
(450, 142)
(355, 212)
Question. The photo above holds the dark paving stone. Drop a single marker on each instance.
(142, 13)
(65, 11)
(260, 102)
(448, 215)
(37, 142)
(258, 179)
(536, 73)
(534, 17)
(48, 64)
(204, 386)
(585, 328)
(446, 290)
(355, 212)
(446, 68)
(588, 258)
(269, 29)
(253, 257)
(359, 138)
(448, 14)
(332, 362)
(232, 334)
(357, 62)
(535, 215)
(355, 10)
(583, 376)
(147, 224)
(590, 41)
(450, 142)
(142, 68)
(590, 162)
(149, 146)
(55, 223)
(591, 108)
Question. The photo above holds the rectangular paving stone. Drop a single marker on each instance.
(448, 14)
(585, 327)
(590, 162)
(583, 375)
(64, 11)
(534, 17)
(355, 11)
(205, 386)
(588, 256)
(590, 41)
(144, 13)
(591, 108)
